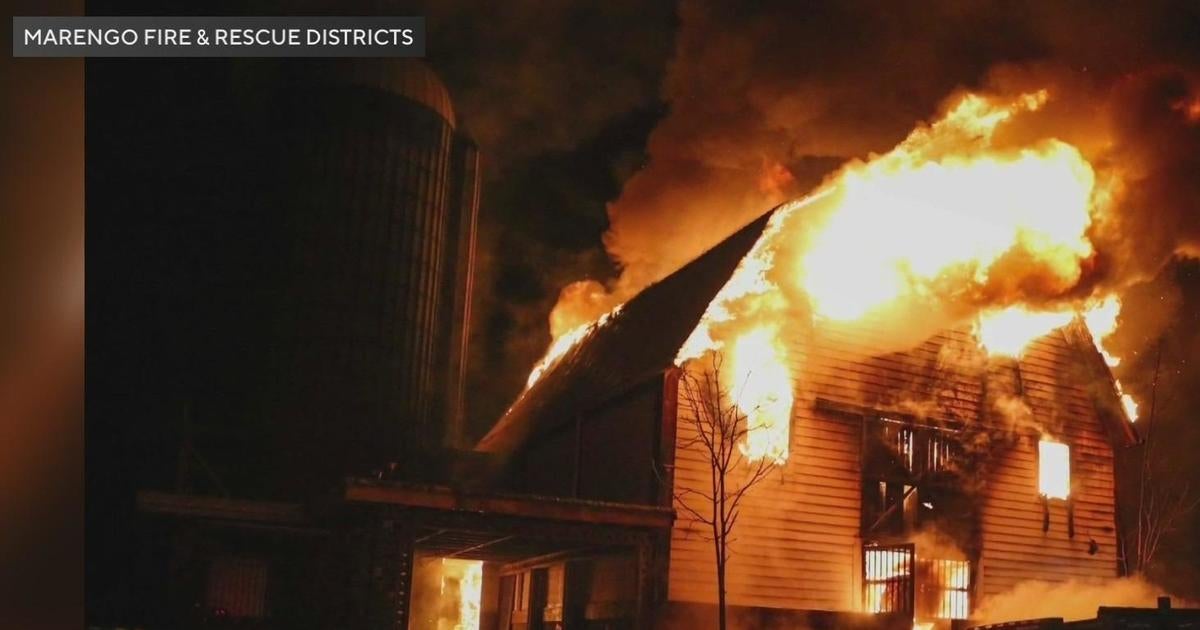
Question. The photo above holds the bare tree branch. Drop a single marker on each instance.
(1163, 501)
(718, 428)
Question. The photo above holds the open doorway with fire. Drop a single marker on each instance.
(919, 523)
(447, 594)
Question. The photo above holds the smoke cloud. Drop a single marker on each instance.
(1070, 600)
(764, 104)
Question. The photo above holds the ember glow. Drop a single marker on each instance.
(1054, 469)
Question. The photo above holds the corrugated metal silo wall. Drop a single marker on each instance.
(460, 257)
(279, 274)
(363, 331)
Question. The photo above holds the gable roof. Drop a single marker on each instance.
(637, 342)
(1060, 376)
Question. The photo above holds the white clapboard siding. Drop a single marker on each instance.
(1015, 549)
(797, 542)
(797, 536)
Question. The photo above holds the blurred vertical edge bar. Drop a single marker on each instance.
(41, 336)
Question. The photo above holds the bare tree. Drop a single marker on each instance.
(1164, 501)
(718, 430)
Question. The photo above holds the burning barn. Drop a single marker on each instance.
(878, 504)
(915, 449)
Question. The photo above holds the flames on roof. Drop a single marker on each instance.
(953, 225)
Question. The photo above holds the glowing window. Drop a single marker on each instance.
(944, 589)
(1054, 469)
(888, 579)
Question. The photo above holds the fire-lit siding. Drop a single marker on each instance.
(797, 535)
(798, 542)
(797, 539)
(1014, 546)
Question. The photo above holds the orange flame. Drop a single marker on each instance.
(470, 590)
(881, 566)
(955, 582)
(949, 226)
(943, 208)
(759, 376)
(563, 343)
(1101, 321)
(763, 391)
(463, 578)
(1008, 332)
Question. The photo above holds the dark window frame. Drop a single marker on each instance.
(908, 468)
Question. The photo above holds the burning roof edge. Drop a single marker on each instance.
(1108, 405)
(631, 346)
(638, 342)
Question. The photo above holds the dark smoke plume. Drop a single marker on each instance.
(765, 103)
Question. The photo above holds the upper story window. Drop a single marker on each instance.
(909, 477)
(1054, 469)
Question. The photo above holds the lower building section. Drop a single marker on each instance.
(391, 556)
(588, 592)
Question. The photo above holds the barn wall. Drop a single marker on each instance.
(798, 542)
(1014, 546)
(620, 442)
(797, 537)
(604, 454)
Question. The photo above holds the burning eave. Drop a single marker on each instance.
(634, 344)
(1104, 392)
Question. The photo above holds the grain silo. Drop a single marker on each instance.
(379, 198)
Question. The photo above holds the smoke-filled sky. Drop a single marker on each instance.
(622, 140)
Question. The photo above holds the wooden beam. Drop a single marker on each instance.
(665, 473)
(570, 510)
(220, 508)
(545, 560)
(482, 545)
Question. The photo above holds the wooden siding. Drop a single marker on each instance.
(605, 454)
(1014, 547)
(798, 540)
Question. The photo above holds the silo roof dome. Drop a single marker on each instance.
(410, 78)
